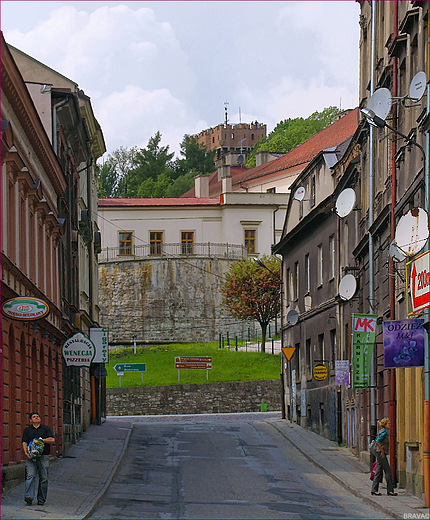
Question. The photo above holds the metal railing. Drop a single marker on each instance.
(175, 250)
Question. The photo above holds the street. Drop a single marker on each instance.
(224, 467)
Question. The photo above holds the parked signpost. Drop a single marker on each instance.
(122, 368)
(193, 362)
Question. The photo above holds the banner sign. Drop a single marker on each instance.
(99, 337)
(403, 343)
(78, 351)
(363, 341)
(419, 283)
(342, 376)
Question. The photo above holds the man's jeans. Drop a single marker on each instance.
(33, 468)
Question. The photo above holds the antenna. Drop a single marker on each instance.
(412, 231)
(380, 102)
(226, 112)
(240, 115)
(299, 194)
(347, 287)
(417, 86)
(396, 253)
(292, 317)
(240, 159)
(345, 202)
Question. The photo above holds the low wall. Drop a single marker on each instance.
(231, 397)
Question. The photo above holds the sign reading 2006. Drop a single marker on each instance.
(25, 309)
(78, 351)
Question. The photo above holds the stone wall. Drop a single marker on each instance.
(231, 397)
(164, 300)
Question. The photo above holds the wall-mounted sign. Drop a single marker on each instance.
(419, 283)
(99, 336)
(403, 343)
(320, 372)
(25, 309)
(363, 341)
(78, 351)
(342, 372)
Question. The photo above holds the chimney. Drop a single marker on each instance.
(201, 186)
(226, 185)
(223, 171)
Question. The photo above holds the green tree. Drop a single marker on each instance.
(195, 158)
(291, 132)
(253, 292)
(113, 173)
(181, 185)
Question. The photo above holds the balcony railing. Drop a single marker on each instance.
(177, 250)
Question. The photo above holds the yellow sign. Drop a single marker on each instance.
(288, 352)
(320, 372)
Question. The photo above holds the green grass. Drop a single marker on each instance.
(228, 365)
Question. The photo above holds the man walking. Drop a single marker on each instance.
(40, 465)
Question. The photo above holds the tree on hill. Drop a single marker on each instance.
(291, 132)
(253, 292)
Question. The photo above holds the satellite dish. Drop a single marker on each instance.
(292, 317)
(412, 231)
(395, 253)
(347, 287)
(418, 86)
(299, 194)
(345, 202)
(240, 159)
(380, 102)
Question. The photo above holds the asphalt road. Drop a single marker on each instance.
(217, 467)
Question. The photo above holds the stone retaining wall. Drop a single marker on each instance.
(228, 397)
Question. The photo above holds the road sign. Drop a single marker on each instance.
(200, 363)
(130, 367)
(320, 372)
(200, 366)
(288, 352)
(419, 283)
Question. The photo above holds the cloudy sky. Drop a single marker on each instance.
(171, 66)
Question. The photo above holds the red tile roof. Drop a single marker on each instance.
(296, 159)
(188, 201)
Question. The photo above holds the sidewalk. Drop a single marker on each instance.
(349, 472)
(78, 481)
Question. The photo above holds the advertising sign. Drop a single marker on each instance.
(363, 341)
(78, 351)
(419, 283)
(320, 372)
(403, 343)
(25, 309)
(99, 337)
(342, 372)
(293, 396)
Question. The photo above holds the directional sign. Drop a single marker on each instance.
(288, 352)
(193, 359)
(419, 283)
(200, 366)
(130, 367)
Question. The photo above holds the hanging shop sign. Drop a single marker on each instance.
(403, 343)
(342, 376)
(419, 283)
(363, 341)
(25, 309)
(99, 337)
(78, 351)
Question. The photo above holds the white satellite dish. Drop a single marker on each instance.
(412, 231)
(292, 317)
(395, 253)
(347, 287)
(418, 86)
(345, 202)
(299, 194)
(380, 102)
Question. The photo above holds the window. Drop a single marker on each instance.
(125, 242)
(320, 353)
(187, 241)
(307, 275)
(308, 355)
(288, 288)
(271, 190)
(250, 240)
(332, 256)
(333, 347)
(155, 242)
(296, 281)
(312, 194)
(319, 266)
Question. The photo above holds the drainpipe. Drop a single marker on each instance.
(370, 221)
(393, 404)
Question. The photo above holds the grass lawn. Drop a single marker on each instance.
(227, 365)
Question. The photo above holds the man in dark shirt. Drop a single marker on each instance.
(36, 430)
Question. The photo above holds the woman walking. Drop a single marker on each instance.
(382, 442)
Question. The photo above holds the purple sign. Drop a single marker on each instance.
(342, 372)
(403, 343)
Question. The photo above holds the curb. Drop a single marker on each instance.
(108, 481)
(352, 490)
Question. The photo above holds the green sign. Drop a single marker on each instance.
(130, 367)
(363, 340)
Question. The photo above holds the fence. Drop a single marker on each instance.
(175, 250)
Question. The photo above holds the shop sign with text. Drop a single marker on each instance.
(78, 351)
(403, 343)
(363, 341)
(25, 309)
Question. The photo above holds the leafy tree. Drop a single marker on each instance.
(107, 180)
(113, 173)
(181, 185)
(253, 292)
(291, 132)
(195, 158)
